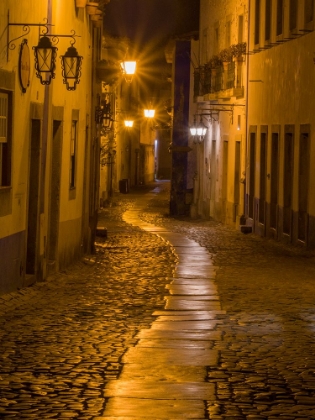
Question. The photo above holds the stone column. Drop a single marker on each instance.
(179, 148)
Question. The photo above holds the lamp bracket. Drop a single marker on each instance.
(43, 29)
(26, 30)
(55, 37)
(217, 108)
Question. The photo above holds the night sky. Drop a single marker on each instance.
(149, 24)
(143, 20)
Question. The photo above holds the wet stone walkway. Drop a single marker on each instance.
(164, 375)
(171, 319)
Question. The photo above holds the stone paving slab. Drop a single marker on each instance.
(188, 271)
(187, 356)
(193, 281)
(188, 250)
(159, 390)
(134, 409)
(185, 325)
(177, 239)
(189, 317)
(191, 289)
(188, 313)
(200, 335)
(160, 343)
(192, 298)
(161, 372)
(180, 304)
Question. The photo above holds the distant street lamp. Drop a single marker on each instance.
(128, 123)
(149, 113)
(128, 69)
(198, 131)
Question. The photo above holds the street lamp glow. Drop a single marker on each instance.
(128, 123)
(149, 113)
(128, 68)
(201, 130)
(193, 131)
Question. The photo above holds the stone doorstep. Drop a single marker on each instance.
(101, 232)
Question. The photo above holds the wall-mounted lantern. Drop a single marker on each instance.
(71, 64)
(128, 69)
(45, 60)
(103, 117)
(149, 113)
(45, 55)
(128, 123)
(198, 131)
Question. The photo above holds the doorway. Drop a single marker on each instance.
(274, 180)
(224, 179)
(237, 178)
(263, 177)
(54, 198)
(213, 175)
(288, 182)
(252, 174)
(32, 245)
(304, 162)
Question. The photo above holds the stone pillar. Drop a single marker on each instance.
(179, 148)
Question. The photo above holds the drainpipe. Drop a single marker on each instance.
(244, 217)
(42, 191)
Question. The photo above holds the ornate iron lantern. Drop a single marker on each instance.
(128, 69)
(128, 123)
(198, 131)
(149, 113)
(71, 67)
(45, 60)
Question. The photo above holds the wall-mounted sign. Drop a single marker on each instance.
(24, 66)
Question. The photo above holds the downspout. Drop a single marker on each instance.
(246, 115)
(42, 192)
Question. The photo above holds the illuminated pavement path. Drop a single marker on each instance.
(164, 375)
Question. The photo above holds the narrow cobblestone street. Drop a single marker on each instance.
(67, 344)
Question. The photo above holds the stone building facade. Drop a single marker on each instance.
(49, 149)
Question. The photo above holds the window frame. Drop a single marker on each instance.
(73, 154)
(308, 19)
(268, 21)
(6, 142)
(279, 18)
(293, 15)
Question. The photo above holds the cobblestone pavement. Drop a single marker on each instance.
(267, 355)
(62, 340)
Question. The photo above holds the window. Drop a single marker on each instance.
(240, 28)
(73, 142)
(274, 179)
(216, 38)
(268, 20)
(257, 21)
(205, 45)
(228, 34)
(252, 174)
(263, 176)
(5, 139)
(279, 17)
(293, 14)
(308, 11)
